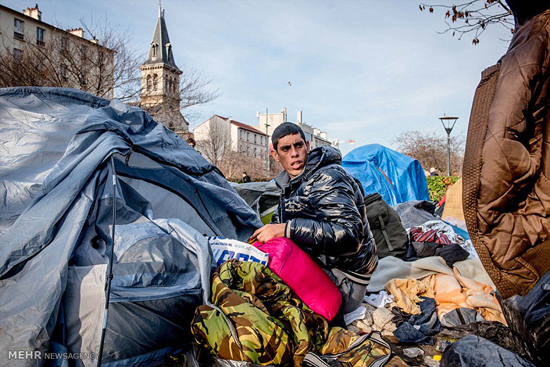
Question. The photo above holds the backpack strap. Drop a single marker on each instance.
(384, 232)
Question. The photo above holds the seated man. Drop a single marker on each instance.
(321, 209)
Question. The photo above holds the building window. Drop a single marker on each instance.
(18, 29)
(64, 44)
(40, 36)
(155, 81)
(17, 54)
(155, 48)
(255, 140)
(247, 136)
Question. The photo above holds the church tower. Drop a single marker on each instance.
(160, 77)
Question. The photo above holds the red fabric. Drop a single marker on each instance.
(303, 276)
(432, 235)
(442, 201)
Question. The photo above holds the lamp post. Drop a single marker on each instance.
(267, 138)
(448, 124)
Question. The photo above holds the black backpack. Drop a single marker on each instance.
(385, 224)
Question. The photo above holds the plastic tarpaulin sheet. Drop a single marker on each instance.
(56, 201)
(404, 173)
(372, 179)
(263, 197)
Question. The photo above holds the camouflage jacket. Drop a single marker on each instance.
(257, 318)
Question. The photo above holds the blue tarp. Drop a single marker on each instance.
(402, 177)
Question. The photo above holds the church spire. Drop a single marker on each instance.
(161, 48)
(160, 81)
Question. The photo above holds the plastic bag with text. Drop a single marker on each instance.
(224, 249)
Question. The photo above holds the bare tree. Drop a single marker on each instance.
(274, 168)
(215, 145)
(107, 66)
(473, 17)
(235, 163)
(194, 90)
(126, 78)
(431, 150)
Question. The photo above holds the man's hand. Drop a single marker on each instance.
(269, 231)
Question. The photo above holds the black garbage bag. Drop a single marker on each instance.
(529, 319)
(474, 351)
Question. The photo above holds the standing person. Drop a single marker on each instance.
(321, 209)
(506, 170)
(246, 177)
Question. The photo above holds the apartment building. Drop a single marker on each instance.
(33, 52)
(268, 122)
(243, 138)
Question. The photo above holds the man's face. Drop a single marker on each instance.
(292, 152)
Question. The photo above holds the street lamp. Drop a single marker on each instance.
(267, 137)
(448, 124)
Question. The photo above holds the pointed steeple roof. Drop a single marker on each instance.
(161, 48)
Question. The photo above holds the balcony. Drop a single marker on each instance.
(40, 43)
(19, 36)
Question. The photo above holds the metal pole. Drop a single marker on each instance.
(109, 275)
(448, 153)
(267, 139)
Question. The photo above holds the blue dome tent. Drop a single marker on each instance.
(405, 174)
(372, 179)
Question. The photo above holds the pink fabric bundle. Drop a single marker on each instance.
(303, 276)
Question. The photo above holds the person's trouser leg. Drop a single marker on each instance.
(352, 292)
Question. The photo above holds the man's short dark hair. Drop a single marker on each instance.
(284, 129)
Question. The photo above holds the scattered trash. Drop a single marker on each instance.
(442, 344)
(358, 314)
(379, 299)
(413, 352)
(431, 361)
(381, 317)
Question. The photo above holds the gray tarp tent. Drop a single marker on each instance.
(263, 197)
(56, 202)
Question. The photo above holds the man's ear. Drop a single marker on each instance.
(275, 155)
(307, 147)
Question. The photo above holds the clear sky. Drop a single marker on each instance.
(359, 69)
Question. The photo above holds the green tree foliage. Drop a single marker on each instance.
(438, 185)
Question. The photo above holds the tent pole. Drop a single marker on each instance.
(109, 275)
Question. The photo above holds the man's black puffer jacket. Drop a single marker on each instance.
(325, 214)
